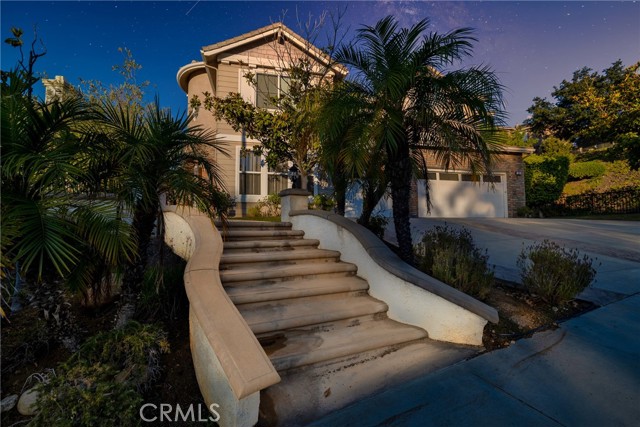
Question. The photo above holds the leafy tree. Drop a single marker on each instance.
(592, 108)
(518, 137)
(129, 92)
(48, 226)
(409, 101)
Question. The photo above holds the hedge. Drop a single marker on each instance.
(544, 178)
(582, 170)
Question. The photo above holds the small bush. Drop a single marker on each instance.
(86, 395)
(322, 202)
(582, 170)
(100, 384)
(525, 212)
(451, 256)
(134, 349)
(267, 207)
(555, 273)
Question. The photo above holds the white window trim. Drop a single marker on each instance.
(264, 181)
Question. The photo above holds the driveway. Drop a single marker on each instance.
(614, 246)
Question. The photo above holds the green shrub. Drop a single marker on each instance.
(556, 147)
(378, 224)
(266, 207)
(451, 256)
(87, 395)
(555, 273)
(544, 178)
(323, 202)
(629, 147)
(525, 212)
(582, 170)
(134, 348)
(100, 384)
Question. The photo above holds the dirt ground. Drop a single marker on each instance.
(522, 315)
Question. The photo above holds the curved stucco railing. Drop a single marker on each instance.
(413, 297)
(230, 364)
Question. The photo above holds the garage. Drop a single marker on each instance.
(463, 194)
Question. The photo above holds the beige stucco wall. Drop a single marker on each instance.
(230, 365)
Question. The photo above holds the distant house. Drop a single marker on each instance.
(222, 70)
(266, 53)
(55, 89)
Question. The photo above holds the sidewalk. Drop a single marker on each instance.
(585, 373)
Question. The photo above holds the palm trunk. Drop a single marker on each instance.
(371, 195)
(340, 193)
(400, 180)
(143, 222)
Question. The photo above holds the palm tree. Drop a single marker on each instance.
(49, 226)
(155, 154)
(407, 100)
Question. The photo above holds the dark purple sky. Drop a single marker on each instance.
(531, 45)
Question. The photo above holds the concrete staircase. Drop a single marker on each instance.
(331, 342)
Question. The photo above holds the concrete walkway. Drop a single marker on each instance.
(585, 373)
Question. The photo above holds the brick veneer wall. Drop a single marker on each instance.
(510, 164)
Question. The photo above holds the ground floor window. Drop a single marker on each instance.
(256, 179)
(250, 173)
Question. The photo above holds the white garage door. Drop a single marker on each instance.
(462, 195)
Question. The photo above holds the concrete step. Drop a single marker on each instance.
(279, 258)
(301, 271)
(310, 392)
(233, 234)
(243, 294)
(275, 316)
(252, 225)
(268, 245)
(306, 346)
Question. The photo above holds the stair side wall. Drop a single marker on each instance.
(442, 319)
(231, 366)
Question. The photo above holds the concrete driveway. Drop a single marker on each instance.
(614, 246)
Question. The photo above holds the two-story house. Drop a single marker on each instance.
(266, 54)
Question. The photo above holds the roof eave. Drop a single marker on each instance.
(182, 77)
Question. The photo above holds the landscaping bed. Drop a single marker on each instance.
(523, 314)
(25, 352)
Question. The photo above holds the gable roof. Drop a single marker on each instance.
(210, 52)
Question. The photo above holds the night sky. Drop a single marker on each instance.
(531, 45)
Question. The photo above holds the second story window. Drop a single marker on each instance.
(268, 87)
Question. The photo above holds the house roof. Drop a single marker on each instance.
(211, 52)
(278, 28)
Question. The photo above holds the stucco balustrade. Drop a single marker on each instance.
(230, 364)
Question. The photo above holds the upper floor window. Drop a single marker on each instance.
(270, 86)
